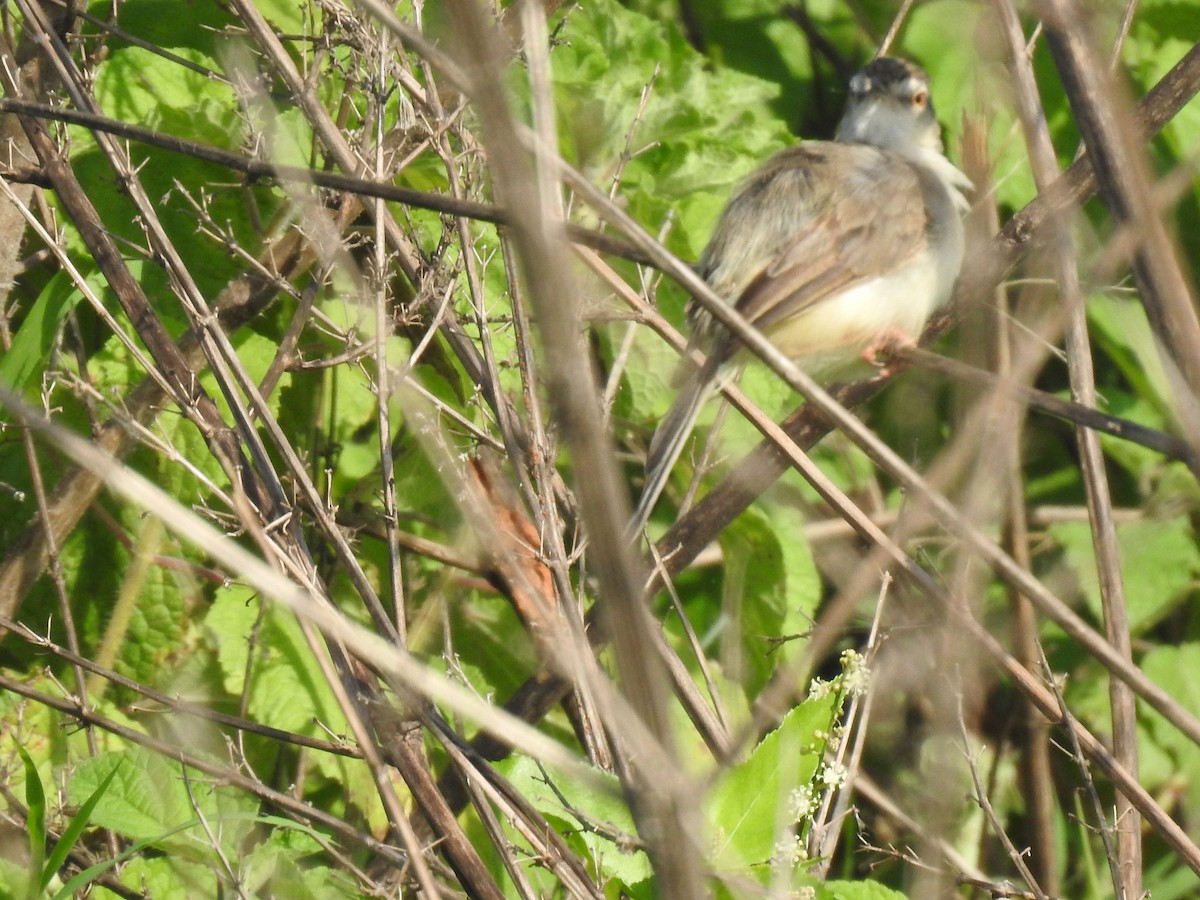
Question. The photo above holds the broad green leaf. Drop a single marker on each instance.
(14, 877)
(1173, 669)
(34, 340)
(857, 890)
(145, 796)
(287, 688)
(148, 799)
(276, 868)
(75, 828)
(1167, 879)
(156, 636)
(136, 85)
(771, 590)
(602, 807)
(1121, 327)
(1142, 463)
(230, 625)
(701, 131)
(753, 601)
(290, 15)
(1159, 564)
(170, 876)
(90, 874)
(750, 806)
(1162, 33)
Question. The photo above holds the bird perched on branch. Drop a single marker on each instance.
(832, 249)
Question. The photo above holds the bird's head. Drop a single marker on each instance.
(890, 107)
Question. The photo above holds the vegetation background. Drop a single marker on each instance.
(379, 630)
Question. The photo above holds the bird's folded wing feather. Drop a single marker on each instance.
(856, 213)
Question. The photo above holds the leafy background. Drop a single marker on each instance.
(666, 106)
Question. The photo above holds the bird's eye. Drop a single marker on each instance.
(920, 99)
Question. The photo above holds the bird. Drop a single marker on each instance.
(834, 250)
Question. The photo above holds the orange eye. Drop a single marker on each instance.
(920, 100)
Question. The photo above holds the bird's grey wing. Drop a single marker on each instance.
(872, 223)
(780, 200)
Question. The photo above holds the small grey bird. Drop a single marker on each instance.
(832, 249)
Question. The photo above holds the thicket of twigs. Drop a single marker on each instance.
(321, 433)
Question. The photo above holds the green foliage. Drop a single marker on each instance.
(181, 813)
(150, 798)
(43, 867)
(35, 340)
(139, 85)
(1178, 759)
(723, 90)
(856, 890)
(751, 805)
(595, 821)
(263, 656)
(1160, 562)
(771, 589)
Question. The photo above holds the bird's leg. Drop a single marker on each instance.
(883, 345)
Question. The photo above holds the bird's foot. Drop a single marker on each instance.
(878, 352)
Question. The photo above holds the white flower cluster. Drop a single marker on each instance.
(819, 688)
(856, 677)
(804, 802)
(833, 775)
(853, 682)
(789, 851)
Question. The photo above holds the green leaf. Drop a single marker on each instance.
(288, 15)
(75, 828)
(750, 806)
(230, 624)
(600, 806)
(152, 798)
(753, 598)
(13, 878)
(288, 689)
(802, 582)
(145, 797)
(157, 622)
(158, 876)
(1173, 669)
(857, 890)
(158, 91)
(276, 868)
(1121, 327)
(34, 341)
(35, 822)
(135, 84)
(1144, 464)
(1159, 565)
(1162, 33)
(772, 589)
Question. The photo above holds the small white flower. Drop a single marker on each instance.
(856, 677)
(819, 688)
(835, 740)
(808, 892)
(833, 775)
(789, 850)
(804, 802)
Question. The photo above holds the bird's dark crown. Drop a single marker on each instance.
(886, 73)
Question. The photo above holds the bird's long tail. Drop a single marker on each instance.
(671, 435)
